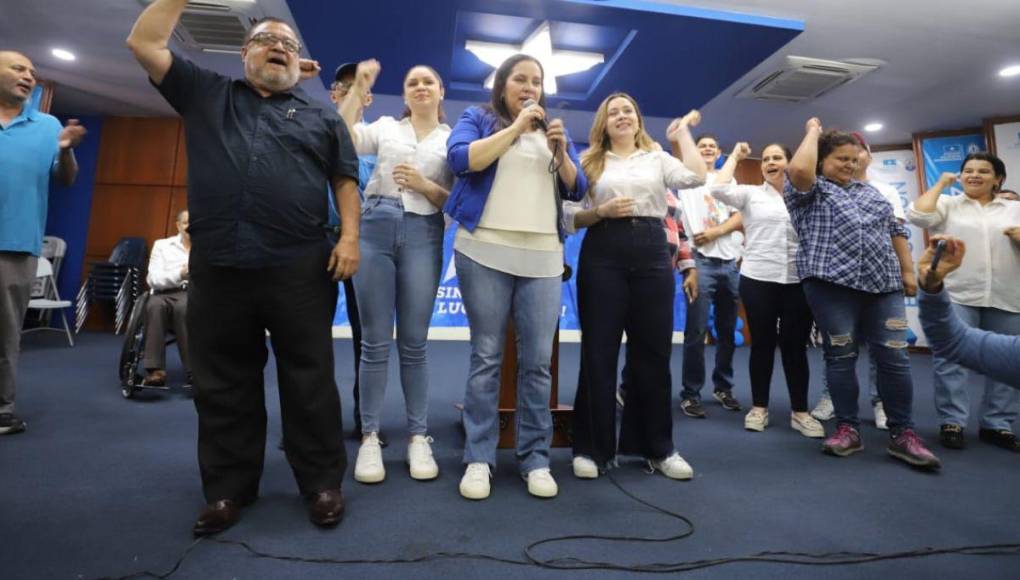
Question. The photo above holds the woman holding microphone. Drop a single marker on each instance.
(515, 167)
(625, 283)
(402, 254)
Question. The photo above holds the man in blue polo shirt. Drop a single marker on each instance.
(33, 148)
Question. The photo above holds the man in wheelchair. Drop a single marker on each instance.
(168, 302)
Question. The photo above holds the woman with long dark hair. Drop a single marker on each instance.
(402, 255)
(625, 284)
(777, 312)
(515, 167)
(854, 281)
(985, 291)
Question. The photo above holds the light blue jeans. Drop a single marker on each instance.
(401, 259)
(490, 298)
(1001, 403)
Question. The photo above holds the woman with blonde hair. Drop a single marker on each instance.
(625, 284)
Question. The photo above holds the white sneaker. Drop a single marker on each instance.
(808, 426)
(475, 483)
(881, 421)
(585, 468)
(757, 419)
(541, 483)
(673, 467)
(369, 466)
(419, 458)
(824, 410)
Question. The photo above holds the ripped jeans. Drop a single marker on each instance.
(847, 318)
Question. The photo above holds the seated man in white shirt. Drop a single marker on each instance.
(168, 279)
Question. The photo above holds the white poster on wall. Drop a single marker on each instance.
(899, 169)
(1007, 147)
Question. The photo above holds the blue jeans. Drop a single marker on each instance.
(490, 298)
(401, 259)
(848, 317)
(872, 383)
(718, 284)
(1001, 403)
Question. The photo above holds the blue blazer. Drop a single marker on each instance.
(471, 190)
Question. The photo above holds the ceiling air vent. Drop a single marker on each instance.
(803, 79)
(216, 25)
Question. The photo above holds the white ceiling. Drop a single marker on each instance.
(942, 58)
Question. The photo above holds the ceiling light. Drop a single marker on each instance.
(556, 63)
(1010, 71)
(63, 54)
(872, 127)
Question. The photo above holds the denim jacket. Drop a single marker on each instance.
(471, 190)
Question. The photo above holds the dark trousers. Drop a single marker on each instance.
(229, 311)
(163, 312)
(355, 321)
(777, 315)
(624, 283)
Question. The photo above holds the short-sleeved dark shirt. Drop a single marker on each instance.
(257, 167)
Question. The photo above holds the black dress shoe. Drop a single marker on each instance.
(1000, 438)
(217, 517)
(951, 436)
(326, 508)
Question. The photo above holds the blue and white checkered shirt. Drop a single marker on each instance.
(846, 235)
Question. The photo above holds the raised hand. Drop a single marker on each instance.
(813, 124)
(741, 151)
(681, 124)
(368, 71)
(309, 68)
(71, 135)
(526, 119)
(948, 178)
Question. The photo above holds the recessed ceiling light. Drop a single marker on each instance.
(63, 54)
(1010, 71)
(872, 127)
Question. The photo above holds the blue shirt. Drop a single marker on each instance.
(366, 165)
(471, 190)
(995, 355)
(846, 235)
(28, 154)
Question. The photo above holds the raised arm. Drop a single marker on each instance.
(801, 170)
(354, 104)
(485, 151)
(684, 148)
(151, 34)
(924, 211)
(740, 152)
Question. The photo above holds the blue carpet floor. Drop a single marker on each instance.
(103, 486)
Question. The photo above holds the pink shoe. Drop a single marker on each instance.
(845, 441)
(907, 446)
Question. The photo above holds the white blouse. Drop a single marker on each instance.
(990, 273)
(770, 244)
(644, 176)
(394, 142)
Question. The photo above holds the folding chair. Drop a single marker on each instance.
(44, 271)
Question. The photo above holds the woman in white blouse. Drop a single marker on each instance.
(985, 291)
(625, 283)
(777, 312)
(401, 256)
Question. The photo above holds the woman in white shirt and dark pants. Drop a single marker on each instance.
(401, 256)
(625, 283)
(985, 291)
(777, 312)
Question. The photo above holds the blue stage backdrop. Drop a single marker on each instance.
(945, 154)
(448, 316)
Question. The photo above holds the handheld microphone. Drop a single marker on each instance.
(539, 123)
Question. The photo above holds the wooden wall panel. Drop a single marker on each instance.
(138, 151)
(178, 203)
(127, 210)
(181, 165)
(749, 172)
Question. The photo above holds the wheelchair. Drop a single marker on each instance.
(133, 351)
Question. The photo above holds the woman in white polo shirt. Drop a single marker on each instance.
(985, 291)
(401, 256)
(777, 312)
(625, 283)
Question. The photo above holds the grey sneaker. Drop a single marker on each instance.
(726, 399)
(692, 408)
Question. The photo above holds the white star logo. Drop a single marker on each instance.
(557, 63)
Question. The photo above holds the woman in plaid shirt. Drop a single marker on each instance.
(851, 260)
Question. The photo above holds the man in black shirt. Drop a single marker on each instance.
(260, 154)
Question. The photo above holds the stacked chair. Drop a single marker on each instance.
(118, 280)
